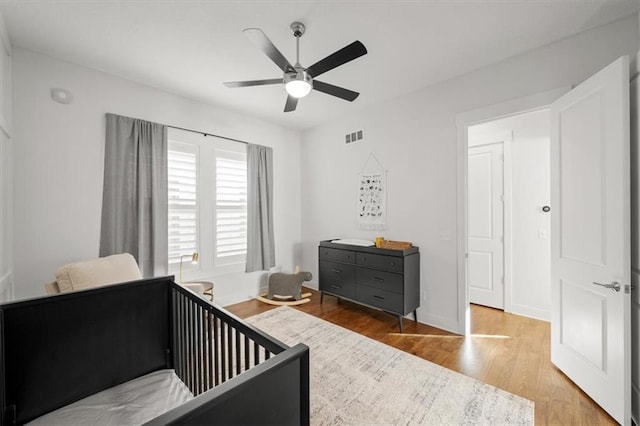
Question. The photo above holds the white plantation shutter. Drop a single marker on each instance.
(231, 206)
(183, 202)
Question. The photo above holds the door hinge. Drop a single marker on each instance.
(628, 288)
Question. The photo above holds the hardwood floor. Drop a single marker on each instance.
(507, 351)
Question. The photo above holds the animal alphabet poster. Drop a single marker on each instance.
(372, 201)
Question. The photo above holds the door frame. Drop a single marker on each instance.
(517, 106)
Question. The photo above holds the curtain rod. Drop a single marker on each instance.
(209, 134)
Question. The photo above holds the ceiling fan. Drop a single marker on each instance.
(298, 81)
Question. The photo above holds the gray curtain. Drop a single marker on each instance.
(134, 198)
(260, 246)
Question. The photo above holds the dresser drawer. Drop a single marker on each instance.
(388, 263)
(382, 299)
(337, 255)
(380, 279)
(338, 279)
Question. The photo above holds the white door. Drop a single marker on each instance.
(485, 262)
(590, 238)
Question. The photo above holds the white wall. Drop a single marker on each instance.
(6, 163)
(530, 287)
(58, 166)
(415, 139)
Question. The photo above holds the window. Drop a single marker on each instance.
(183, 207)
(207, 204)
(231, 205)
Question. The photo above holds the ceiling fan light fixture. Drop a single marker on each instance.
(298, 84)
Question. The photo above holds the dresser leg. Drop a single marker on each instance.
(400, 322)
(321, 297)
(415, 315)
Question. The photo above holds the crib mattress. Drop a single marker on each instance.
(131, 403)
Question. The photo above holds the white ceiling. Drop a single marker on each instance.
(191, 47)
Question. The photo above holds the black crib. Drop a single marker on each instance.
(58, 349)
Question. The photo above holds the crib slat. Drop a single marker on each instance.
(185, 341)
(192, 332)
(207, 351)
(216, 357)
(237, 338)
(201, 357)
(246, 353)
(210, 360)
(198, 353)
(176, 331)
(187, 369)
(256, 353)
(223, 350)
(230, 348)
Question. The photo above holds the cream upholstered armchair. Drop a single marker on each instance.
(112, 269)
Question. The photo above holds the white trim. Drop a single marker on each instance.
(528, 311)
(463, 120)
(312, 284)
(440, 322)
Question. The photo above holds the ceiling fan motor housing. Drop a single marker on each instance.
(299, 75)
(297, 28)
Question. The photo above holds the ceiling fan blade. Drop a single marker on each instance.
(340, 92)
(342, 56)
(258, 38)
(252, 82)
(291, 104)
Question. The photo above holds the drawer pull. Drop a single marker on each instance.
(378, 297)
(392, 263)
(337, 271)
(364, 259)
(336, 286)
(377, 279)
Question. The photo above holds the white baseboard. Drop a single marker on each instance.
(311, 284)
(440, 322)
(232, 299)
(527, 311)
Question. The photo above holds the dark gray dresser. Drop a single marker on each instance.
(380, 278)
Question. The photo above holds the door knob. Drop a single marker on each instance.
(615, 285)
(546, 209)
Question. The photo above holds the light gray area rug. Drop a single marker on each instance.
(357, 380)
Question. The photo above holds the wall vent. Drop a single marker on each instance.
(356, 136)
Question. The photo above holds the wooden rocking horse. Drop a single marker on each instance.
(286, 289)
